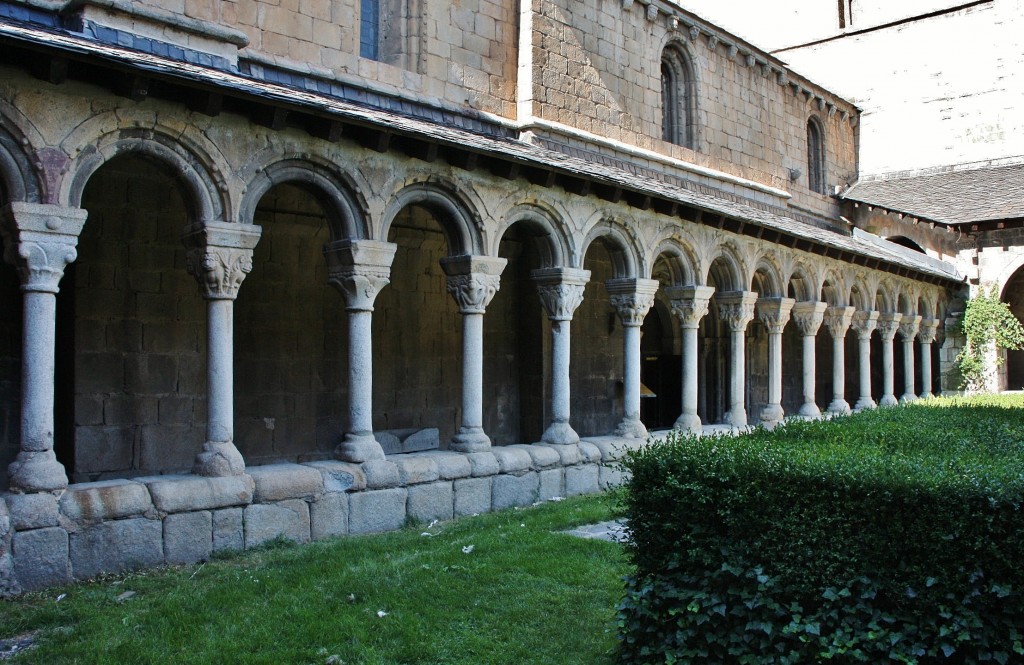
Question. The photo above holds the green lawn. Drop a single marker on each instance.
(498, 588)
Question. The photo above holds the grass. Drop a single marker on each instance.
(498, 588)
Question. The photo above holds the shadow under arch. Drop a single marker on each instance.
(345, 209)
(18, 180)
(459, 222)
(622, 252)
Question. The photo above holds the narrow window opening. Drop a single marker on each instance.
(369, 29)
(815, 157)
(678, 109)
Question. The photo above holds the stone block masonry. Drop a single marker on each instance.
(49, 539)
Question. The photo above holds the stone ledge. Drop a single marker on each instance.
(340, 476)
(177, 494)
(105, 500)
(277, 482)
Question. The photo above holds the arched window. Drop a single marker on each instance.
(678, 99)
(369, 29)
(815, 156)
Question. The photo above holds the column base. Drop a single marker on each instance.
(560, 434)
(864, 403)
(37, 472)
(907, 398)
(737, 418)
(926, 395)
(839, 407)
(470, 440)
(219, 458)
(631, 429)
(358, 448)
(689, 422)
(811, 410)
(888, 400)
(772, 415)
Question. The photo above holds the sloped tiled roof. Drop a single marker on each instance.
(508, 148)
(951, 197)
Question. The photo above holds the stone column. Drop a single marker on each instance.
(929, 330)
(39, 241)
(359, 269)
(864, 324)
(632, 299)
(774, 314)
(561, 292)
(837, 319)
(888, 324)
(472, 282)
(908, 331)
(219, 256)
(736, 308)
(808, 317)
(690, 305)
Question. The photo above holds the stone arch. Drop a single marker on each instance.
(345, 208)
(680, 259)
(802, 284)
(458, 220)
(767, 278)
(926, 305)
(862, 297)
(18, 180)
(680, 95)
(726, 270)
(206, 198)
(623, 252)
(833, 289)
(545, 226)
(906, 301)
(885, 299)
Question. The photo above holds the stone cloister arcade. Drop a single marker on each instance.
(497, 312)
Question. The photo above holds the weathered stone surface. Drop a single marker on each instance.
(431, 501)
(116, 547)
(264, 522)
(377, 510)
(512, 459)
(9, 586)
(228, 529)
(277, 482)
(550, 484)
(484, 464)
(105, 500)
(589, 453)
(611, 448)
(509, 490)
(328, 516)
(397, 441)
(340, 476)
(176, 494)
(451, 465)
(188, 537)
(581, 480)
(41, 558)
(380, 474)
(543, 455)
(31, 511)
(415, 469)
(472, 496)
(569, 455)
(611, 476)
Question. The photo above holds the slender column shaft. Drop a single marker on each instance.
(838, 321)
(926, 369)
(775, 368)
(774, 313)
(473, 371)
(39, 241)
(560, 354)
(690, 305)
(864, 323)
(689, 418)
(360, 372)
(220, 383)
(737, 310)
(809, 409)
(888, 324)
(632, 299)
(908, 371)
(631, 372)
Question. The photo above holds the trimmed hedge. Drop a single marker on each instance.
(894, 535)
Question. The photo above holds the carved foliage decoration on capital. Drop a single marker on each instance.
(690, 311)
(40, 241)
(837, 320)
(808, 317)
(908, 327)
(359, 269)
(864, 323)
(360, 287)
(560, 300)
(737, 310)
(631, 298)
(929, 330)
(473, 291)
(888, 324)
(774, 314)
(219, 270)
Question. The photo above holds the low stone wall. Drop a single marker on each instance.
(114, 526)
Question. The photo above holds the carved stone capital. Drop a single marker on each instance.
(888, 324)
(808, 317)
(909, 325)
(560, 290)
(736, 308)
(359, 269)
(40, 241)
(473, 280)
(837, 320)
(632, 298)
(219, 256)
(774, 313)
(863, 323)
(689, 303)
(929, 330)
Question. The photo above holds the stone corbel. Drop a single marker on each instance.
(736, 308)
(359, 269)
(560, 290)
(632, 298)
(808, 317)
(774, 313)
(473, 280)
(689, 303)
(40, 240)
(652, 12)
(219, 256)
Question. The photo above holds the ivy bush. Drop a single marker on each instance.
(986, 321)
(894, 535)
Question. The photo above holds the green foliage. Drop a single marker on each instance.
(889, 536)
(986, 320)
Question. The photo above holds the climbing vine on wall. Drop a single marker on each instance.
(986, 320)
